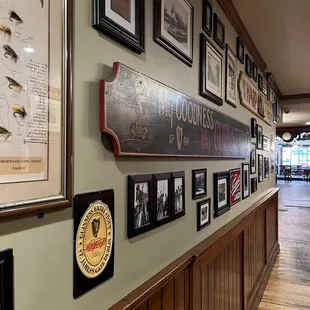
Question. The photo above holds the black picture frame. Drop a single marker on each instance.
(253, 159)
(175, 196)
(260, 82)
(218, 26)
(240, 50)
(259, 137)
(248, 65)
(162, 204)
(266, 168)
(246, 190)
(260, 165)
(254, 72)
(203, 91)
(266, 143)
(202, 223)
(219, 210)
(195, 183)
(253, 127)
(104, 24)
(253, 185)
(133, 195)
(229, 54)
(165, 42)
(7, 279)
(207, 17)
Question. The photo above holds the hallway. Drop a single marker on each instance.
(289, 284)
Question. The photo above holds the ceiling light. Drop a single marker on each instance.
(28, 49)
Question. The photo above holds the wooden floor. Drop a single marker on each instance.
(289, 284)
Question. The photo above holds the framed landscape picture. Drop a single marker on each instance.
(245, 181)
(207, 17)
(199, 183)
(123, 20)
(221, 193)
(174, 26)
(235, 186)
(203, 214)
(231, 77)
(178, 194)
(211, 68)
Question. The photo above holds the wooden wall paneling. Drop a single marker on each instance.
(168, 296)
(155, 301)
(211, 284)
(144, 306)
(179, 291)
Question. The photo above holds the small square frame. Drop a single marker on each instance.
(194, 183)
(218, 211)
(199, 206)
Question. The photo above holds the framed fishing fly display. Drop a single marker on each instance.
(35, 99)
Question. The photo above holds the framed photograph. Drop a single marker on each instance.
(235, 186)
(253, 159)
(240, 50)
(199, 183)
(122, 20)
(263, 86)
(260, 168)
(231, 77)
(221, 193)
(260, 82)
(253, 127)
(259, 137)
(253, 185)
(203, 214)
(174, 27)
(266, 167)
(178, 194)
(248, 65)
(219, 32)
(162, 189)
(35, 137)
(245, 181)
(140, 198)
(207, 17)
(278, 108)
(261, 106)
(266, 143)
(211, 68)
(255, 72)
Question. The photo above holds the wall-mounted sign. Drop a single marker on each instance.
(251, 98)
(94, 240)
(147, 118)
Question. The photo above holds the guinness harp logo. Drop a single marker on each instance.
(94, 240)
(179, 133)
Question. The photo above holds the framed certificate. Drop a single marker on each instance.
(35, 105)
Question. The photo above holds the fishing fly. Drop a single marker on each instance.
(19, 111)
(4, 133)
(10, 52)
(14, 15)
(6, 30)
(14, 85)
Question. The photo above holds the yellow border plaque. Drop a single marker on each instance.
(94, 239)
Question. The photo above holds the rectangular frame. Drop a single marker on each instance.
(207, 21)
(259, 137)
(196, 195)
(201, 204)
(218, 23)
(7, 279)
(46, 198)
(248, 65)
(260, 168)
(266, 168)
(240, 50)
(253, 185)
(234, 186)
(253, 127)
(178, 175)
(246, 190)
(231, 69)
(254, 72)
(219, 210)
(253, 159)
(266, 143)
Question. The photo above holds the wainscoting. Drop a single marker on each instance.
(227, 271)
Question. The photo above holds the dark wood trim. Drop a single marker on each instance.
(296, 96)
(47, 206)
(233, 16)
(294, 129)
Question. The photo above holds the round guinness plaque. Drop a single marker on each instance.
(94, 239)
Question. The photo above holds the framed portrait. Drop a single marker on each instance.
(219, 32)
(259, 137)
(266, 167)
(203, 214)
(235, 186)
(253, 159)
(122, 20)
(140, 204)
(35, 106)
(253, 127)
(221, 193)
(207, 17)
(162, 213)
(266, 143)
(253, 185)
(174, 27)
(240, 50)
(245, 181)
(231, 77)
(248, 65)
(178, 194)
(199, 183)
(260, 168)
(211, 68)
(254, 72)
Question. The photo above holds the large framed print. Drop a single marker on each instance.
(221, 193)
(231, 77)
(35, 151)
(122, 20)
(211, 68)
(174, 27)
(235, 186)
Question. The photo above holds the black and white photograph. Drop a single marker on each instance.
(178, 194)
(174, 27)
(254, 72)
(260, 168)
(246, 181)
(203, 214)
(139, 204)
(266, 143)
(253, 159)
(221, 193)
(219, 31)
(231, 77)
(253, 127)
(211, 68)
(259, 137)
(266, 167)
(207, 17)
(199, 183)
(248, 65)
(253, 185)
(240, 50)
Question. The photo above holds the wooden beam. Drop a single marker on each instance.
(296, 96)
(233, 16)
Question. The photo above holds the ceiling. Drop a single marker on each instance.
(280, 30)
(295, 114)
